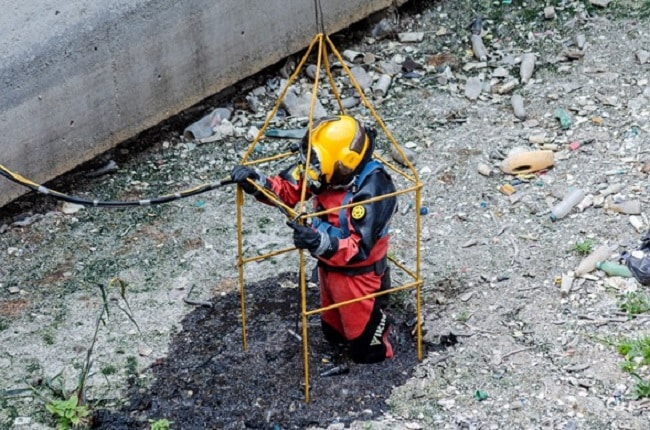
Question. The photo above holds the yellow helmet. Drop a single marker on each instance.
(339, 146)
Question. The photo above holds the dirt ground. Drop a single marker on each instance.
(508, 345)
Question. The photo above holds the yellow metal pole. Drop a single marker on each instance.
(305, 339)
(418, 289)
(240, 264)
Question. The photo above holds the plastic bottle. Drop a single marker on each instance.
(629, 207)
(614, 269)
(573, 197)
(588, 264)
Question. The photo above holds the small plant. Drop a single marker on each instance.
(161, 424)
(69, 407)
(464, 316)
(69, 413)
(637, 354)
(635, 303)
(584, 247)
(642, 389)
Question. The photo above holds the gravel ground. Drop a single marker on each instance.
(529, 351)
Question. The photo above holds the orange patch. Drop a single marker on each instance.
(13, 308)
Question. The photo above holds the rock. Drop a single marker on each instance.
(600, 3)
(527, 67)
(642, 56)
(411, 37)
(473, 88)
(549, 12)
(409, 154)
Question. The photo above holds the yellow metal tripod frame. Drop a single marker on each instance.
(322, 43)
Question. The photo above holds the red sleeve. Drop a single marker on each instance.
(287, 191)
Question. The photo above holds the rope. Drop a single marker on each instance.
(14, 177)
(318, 10)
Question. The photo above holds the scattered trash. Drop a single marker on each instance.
(638, 261)
(637, 222)
(71, 208)
(562, 209)
(517, 102)
(476, 26)
(564, 118)
(480, 52)
(588, 201)
(381, 87)
(507, 189)
(341, 369)
(484, 169)
(110, 167)
(614, 269)
(481, 395)
(295, 133)
(353, 56)
(527, 161)
(204, 127)
(629, 207)
(566, 284)
(588, 264)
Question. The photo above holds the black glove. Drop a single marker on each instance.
(240, 174)
(319, 244)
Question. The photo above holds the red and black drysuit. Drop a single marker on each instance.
(357, 267)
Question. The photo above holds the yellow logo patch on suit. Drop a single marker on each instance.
(358, 212)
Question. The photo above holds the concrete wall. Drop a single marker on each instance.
(77, 78)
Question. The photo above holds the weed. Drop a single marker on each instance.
(584, 247)
(463, 316)
(109, 370)
(131, 365)
(69, 413)
(637, 354)
(69, 407)
(161, 424)
(635, 303)
(642, 389)
(48, 338)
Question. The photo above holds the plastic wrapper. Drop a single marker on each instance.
(638, 261)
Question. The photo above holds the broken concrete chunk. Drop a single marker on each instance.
(299, 105)
(411, 37)
(643, 57)
(473, 88)
(549, 12)
(361, 76)
(527, 67)
(409, 154)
